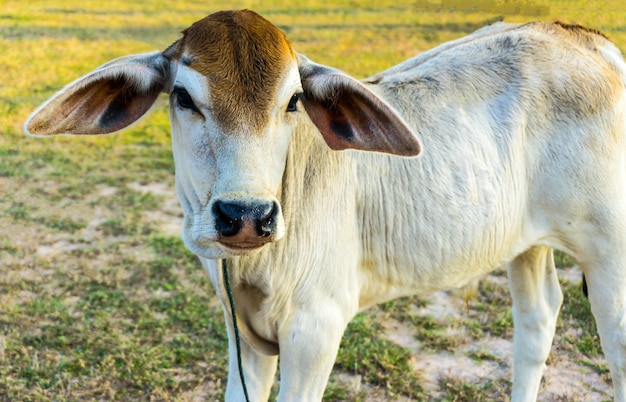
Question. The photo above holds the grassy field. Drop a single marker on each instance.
(99, 300)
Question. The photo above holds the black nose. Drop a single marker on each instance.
(231, 217)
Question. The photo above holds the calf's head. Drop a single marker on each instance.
(236, 90)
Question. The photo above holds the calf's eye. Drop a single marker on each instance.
(183, 99)
(293, 103)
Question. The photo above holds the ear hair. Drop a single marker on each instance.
(350, 115)
(106, 100)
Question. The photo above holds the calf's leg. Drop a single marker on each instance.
(606, 283)
(599, 245)
(258, 369)
(308, 348)
(537, 299)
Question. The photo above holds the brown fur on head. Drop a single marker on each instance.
(243, 57)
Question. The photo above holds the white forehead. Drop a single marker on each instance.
(194, 82)
(291, 83)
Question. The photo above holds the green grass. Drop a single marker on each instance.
(379, 361)
(459, 391)
(576, 312)
(114, 336)
(99, 302)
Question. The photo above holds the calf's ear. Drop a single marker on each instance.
(350, 115)
(106, 100)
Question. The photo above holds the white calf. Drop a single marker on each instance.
(524, 136)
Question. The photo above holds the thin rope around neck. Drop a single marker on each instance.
(231, 299)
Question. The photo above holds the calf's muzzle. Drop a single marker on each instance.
(245, 222)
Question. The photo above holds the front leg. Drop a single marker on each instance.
(308, 348)
(259, 370)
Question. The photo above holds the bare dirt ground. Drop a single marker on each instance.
(564, 378)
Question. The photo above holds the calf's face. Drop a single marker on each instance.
(233, 104)
(236, 90)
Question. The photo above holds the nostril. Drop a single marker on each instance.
(266, 222)
(228, 218)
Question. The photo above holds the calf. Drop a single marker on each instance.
(524, 137)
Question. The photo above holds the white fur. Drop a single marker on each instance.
(493, 186)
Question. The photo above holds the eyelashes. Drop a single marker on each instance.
(183, 99)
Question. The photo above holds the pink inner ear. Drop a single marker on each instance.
(348, 115)
(325, 121)
(108, 99)
(127, 106)
(103, 106)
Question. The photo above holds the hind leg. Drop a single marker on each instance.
(599, 245)
(606, 283)
(537, 299)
